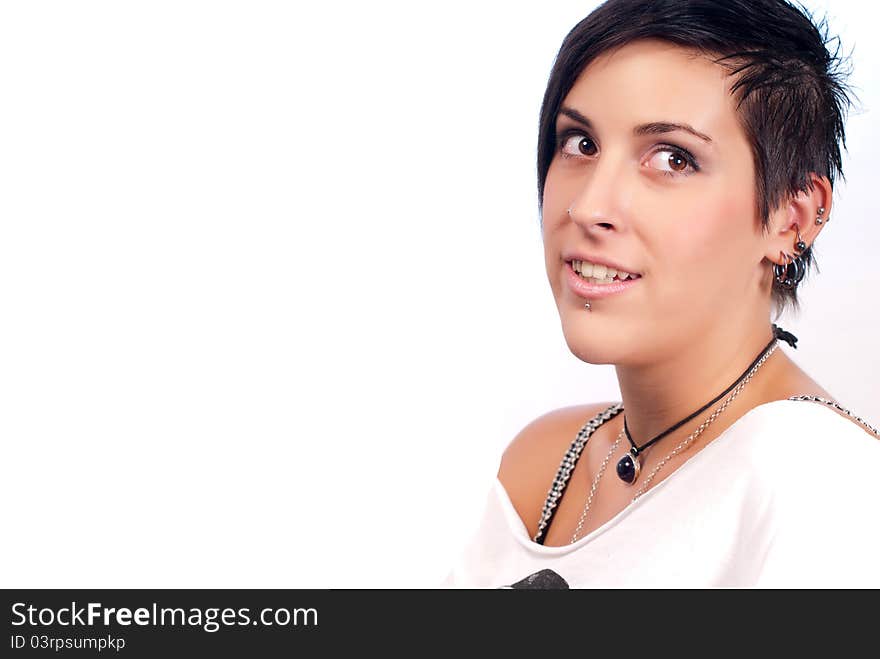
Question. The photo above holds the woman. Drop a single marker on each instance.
(687, 153)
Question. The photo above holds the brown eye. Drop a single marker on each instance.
(672, 162)
(677, 163)
(577, 144)
(586, 146)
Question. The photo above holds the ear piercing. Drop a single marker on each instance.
(791, 271)
(820, 212)
(800, 245)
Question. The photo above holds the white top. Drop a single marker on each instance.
(787, 496)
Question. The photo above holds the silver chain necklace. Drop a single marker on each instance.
(678, 449)
(683, 445)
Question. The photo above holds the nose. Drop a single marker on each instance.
(597, 205)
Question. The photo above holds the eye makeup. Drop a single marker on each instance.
(566, 134)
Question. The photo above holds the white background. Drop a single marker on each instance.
(272, 284)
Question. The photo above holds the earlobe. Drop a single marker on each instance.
(791, 272)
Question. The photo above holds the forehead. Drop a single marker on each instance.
(651, 80)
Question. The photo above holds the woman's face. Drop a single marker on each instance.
(663, 202)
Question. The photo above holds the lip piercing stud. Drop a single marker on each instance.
(587, 306)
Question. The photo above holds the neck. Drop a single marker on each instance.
(660, 394)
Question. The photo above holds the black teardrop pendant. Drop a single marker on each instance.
(628, 467)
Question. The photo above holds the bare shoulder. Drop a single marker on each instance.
(530, 461)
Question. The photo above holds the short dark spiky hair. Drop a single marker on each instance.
(791, 98)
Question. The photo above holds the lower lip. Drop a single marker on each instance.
(585, 289)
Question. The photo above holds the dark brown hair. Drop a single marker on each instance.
(790, 93)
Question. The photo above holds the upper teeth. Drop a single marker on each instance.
(599, 271)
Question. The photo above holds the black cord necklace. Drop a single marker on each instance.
(629, 467)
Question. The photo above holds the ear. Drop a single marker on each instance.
(798, 214)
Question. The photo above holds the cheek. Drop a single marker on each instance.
(553, 199)
(707, 246)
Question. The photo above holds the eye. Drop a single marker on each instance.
(573, 144)
(676, 160)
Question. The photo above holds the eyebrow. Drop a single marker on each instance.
(652, 128)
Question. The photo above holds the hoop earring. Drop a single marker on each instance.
(790, 273)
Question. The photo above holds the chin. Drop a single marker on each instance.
(591, 348)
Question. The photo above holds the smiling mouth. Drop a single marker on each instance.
(600, 274)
